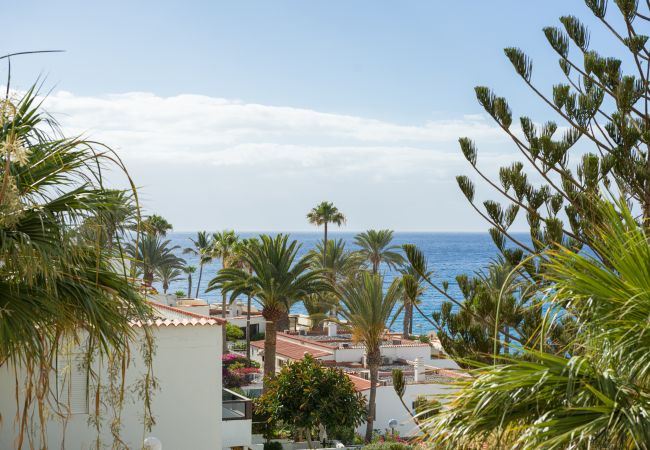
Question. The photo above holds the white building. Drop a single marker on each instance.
(340, 350)
(190, 408)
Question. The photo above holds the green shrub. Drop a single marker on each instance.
(272, 446)
(179, 293)
(233, 332)
(424, 339)
(257, 337)
(387, 446)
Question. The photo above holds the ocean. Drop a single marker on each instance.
(448, 255)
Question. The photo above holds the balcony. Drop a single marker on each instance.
(237, 420)
(235, 406)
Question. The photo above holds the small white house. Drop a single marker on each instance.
(190, 408)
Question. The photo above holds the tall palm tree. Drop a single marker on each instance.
(367, 308)
(150, 253)
(375, 247)
(56, 280)
(337, 264)
(168, 273)
(189, 270)
(203, 250)
(156, 225)
(277, 281)
(224, 247)
(323, 214)
(595, 392)
(413, 288)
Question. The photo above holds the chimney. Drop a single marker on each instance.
(332, 329)
(418, 370)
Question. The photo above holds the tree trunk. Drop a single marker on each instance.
(223, 305)
(405, 324)
(248, 328)
(165, 287)
(325, 247)
(282, 323)
(198, 284)
(410, 319)
(269, 350)
(374, 358)
(189, 285)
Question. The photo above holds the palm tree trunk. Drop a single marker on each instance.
(223, 314)
(410, 319)
(248, 328)
(325, 247)
(506, 340)
(165, 286)
(269, 350)
(405, 324)
(198, 284)
(374, 358)
(189, 285)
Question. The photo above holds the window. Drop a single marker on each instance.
(72, 383)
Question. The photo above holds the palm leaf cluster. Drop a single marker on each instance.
(594, 394)
(61, 270)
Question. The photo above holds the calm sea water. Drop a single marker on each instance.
(448, 254)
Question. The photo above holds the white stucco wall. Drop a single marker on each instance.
(187, 407)
(389, 407)
(237, 433)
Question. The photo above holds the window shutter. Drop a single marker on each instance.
(72, 383)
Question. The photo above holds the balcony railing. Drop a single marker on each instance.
(235, 406)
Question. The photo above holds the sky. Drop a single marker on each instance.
(246, 114)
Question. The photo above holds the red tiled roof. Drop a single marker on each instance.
(185, 317)
(293, 350)
(174, 322)
(360, 384)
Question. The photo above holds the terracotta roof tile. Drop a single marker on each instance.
(294, 350)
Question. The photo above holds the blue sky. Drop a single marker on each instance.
(244, 114)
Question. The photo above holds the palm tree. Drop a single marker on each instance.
(156, 225)
(277, 281)
(224, 247)
(595, 392)
(168, 273)
(203, 250)
(376, 248)
(55, 280)
(337, 265)
(189, 270)
(366, 309)
(151, 253)
(323, 214)
(413, 288)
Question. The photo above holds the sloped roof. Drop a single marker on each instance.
(294, 350)
(360, 384)
(170, 316)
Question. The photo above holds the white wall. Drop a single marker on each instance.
(236, 433)
(187, 407)
(389, 407)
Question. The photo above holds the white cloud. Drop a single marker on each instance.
(325, 154)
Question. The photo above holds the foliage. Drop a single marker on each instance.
(595, 394)
(387, 445)
(276, 279)
(233, 332)
(180, 293)
(150, 253)
(168, 273)
(304, 395)
(602, 108)
(366, 308)
(273, 445)
(56, 279)
(376, 248)
(426, 408)
(156, 225)
(201, 248)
